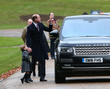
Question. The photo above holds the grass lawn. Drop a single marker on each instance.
(10, 57)
(11, 10)
(10, 41)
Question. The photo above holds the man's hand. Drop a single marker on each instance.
(29, 50)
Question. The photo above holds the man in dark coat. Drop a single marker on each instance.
(36, 44)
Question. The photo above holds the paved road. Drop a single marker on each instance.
(14, 33)
(11, 33)
(13, 82)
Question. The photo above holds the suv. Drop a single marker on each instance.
(83, 47)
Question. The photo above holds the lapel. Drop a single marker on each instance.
(34, 27)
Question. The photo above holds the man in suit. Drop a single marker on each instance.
(36, 44)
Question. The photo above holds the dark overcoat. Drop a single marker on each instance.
(36, 40)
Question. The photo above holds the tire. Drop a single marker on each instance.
(59, 76)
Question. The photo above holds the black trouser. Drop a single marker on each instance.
(41, 67)
(33, 65)
(52, 46)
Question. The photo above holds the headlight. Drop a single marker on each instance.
(65, 49)
(70, 50)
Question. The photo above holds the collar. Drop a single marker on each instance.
(35, 24)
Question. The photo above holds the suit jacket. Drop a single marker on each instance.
(23, 36)
(35, 39)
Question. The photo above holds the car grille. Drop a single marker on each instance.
(91, 51)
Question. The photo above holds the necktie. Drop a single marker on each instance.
(37, 27)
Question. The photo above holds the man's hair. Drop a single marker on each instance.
(34, 17)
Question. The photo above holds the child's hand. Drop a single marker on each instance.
(29, 50)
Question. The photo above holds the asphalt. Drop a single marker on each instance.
(14, 33)
(11, 33)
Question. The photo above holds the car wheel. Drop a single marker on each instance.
(59, 79)
(59, 76)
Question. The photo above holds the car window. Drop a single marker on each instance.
(86, 27)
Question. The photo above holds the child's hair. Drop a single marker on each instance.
(22, 47)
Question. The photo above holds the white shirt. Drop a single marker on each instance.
(35, 25)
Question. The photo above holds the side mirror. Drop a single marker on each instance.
(54, 33)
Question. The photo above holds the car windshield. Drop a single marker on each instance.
(86, 27)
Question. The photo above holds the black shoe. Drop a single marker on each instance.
(43, 80)
(30, 80)
(27, 81)
(22, 80)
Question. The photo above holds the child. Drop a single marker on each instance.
(26, 66)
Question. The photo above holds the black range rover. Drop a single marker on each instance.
(83, 47)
